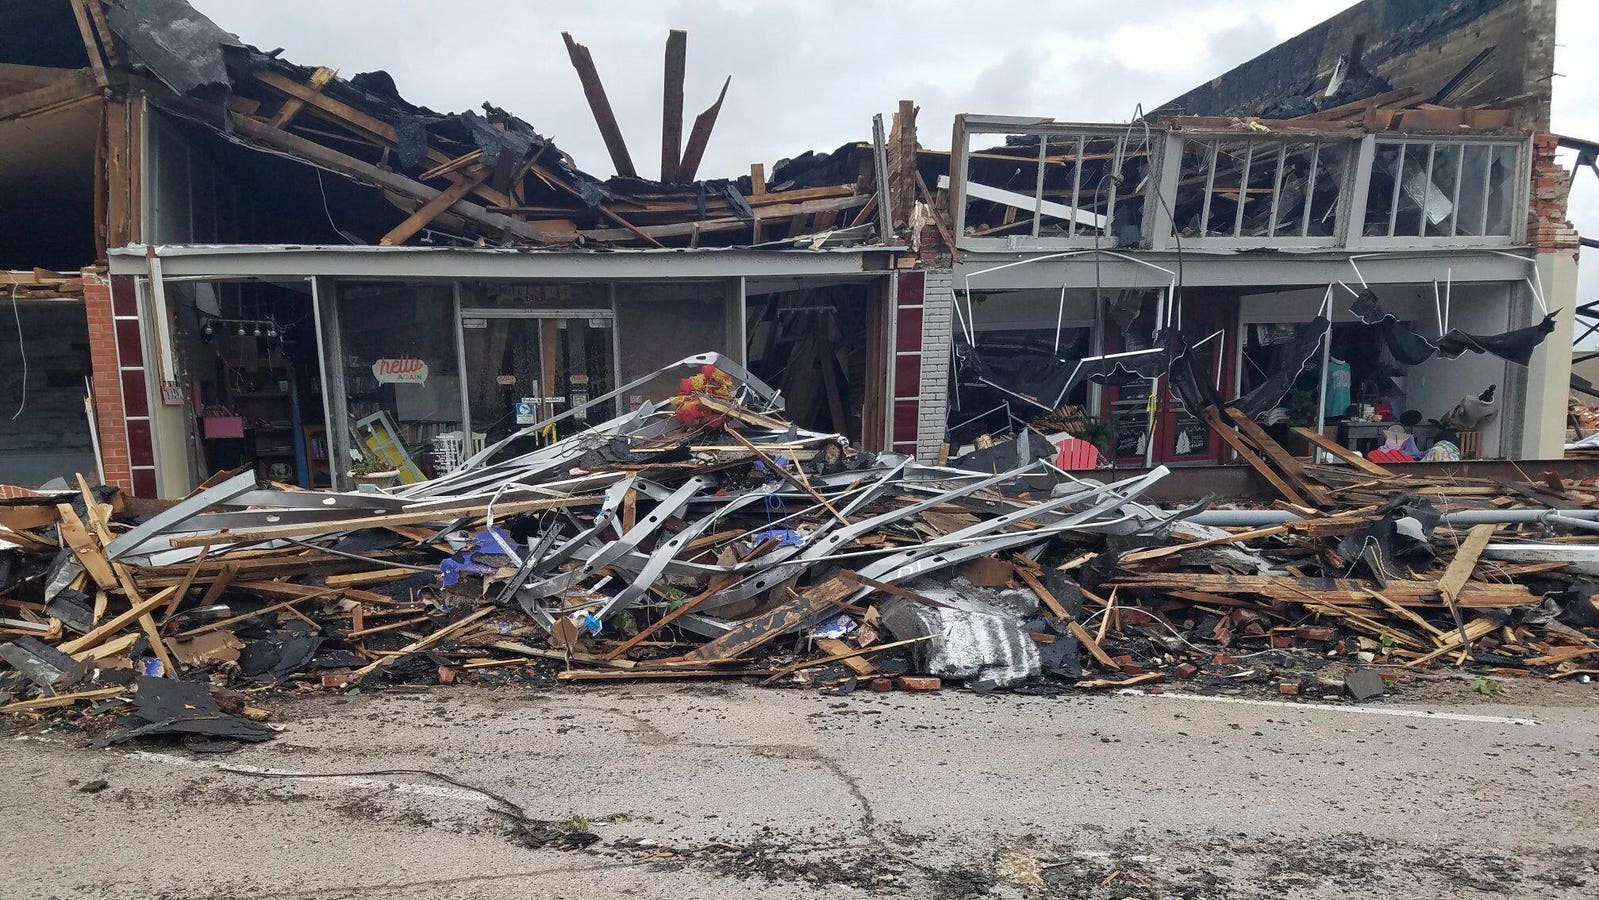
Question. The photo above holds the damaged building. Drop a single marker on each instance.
(1374, 239)
(221, 259)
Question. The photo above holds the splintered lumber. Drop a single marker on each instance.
(788, 477)
(257, 130)
(116, 623)
(687, 607)
(291, 106)
(1474, 630)
(427, 212)
(648, 674)
(844, 656)
(672, 103)
(1044, 595)
(1290, 467)
(83, 546)
(839, 651)
(1247, 454)
(1354, 459)
(357, 579)
(270, 608)
(440, 514)
(745, 636)
(184, 585)
(1458, 572)
(62, 700)
(1477, 595)
(436, 637)
(1349, 521)
(700, 136)
(600, 106)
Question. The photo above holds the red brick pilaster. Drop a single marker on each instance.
(1547, 227)
(106, 379)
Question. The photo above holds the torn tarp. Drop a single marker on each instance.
(167, 706)
(1289, 360)
(1411, 348)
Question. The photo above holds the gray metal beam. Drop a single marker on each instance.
(1236, 269)
(285, 261)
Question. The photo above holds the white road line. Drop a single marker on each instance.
(1363, 710)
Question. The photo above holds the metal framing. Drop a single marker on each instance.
(1353, 174)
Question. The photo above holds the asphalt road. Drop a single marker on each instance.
(710, 791)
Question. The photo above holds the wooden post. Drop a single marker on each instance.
(600, 106)
(672, 104)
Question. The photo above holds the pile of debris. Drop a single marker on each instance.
(704, 536)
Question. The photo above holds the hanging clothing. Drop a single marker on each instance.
(1339, 383)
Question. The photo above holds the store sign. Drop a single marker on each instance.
(400, 370)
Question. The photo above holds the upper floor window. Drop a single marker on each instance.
(1261, 188)
(1442, 189)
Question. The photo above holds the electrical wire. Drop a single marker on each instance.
(22, 348)
(328, 212)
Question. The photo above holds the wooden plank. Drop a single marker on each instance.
(849, 656)
(1349, 456)
(219, 584)
(1231, 438)
(1290, 467)
(672, 104)
(291, 107)
(1459, 569)
(441, 514)
(357, 579)
(1458, 573)
(91, 44)
(74, 86)
(1331, 523)
(62, 700)
(1087, 640)
(700, 136)
(844, 657)
(600, 106)
(1044, 595)
(85, 548)
(183, 586)
(427, 212)
(115, 623)
(758, 630)
(436, 637)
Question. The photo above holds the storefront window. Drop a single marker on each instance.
(401, 379)
(659, 324)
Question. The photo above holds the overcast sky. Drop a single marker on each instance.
(809, 76)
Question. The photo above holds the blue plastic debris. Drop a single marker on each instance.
(836, 627)
(785, 536)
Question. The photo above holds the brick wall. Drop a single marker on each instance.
(1547, 227)
(121, 401)
(105, 376)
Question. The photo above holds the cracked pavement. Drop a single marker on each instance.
(721, 790)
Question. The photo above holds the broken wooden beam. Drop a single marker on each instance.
(700, 136)
(672, 104)
(600, 106)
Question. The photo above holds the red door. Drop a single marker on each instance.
(1180, 436)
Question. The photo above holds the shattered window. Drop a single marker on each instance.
(1253, 188)
(1057, 185)
(1441, 189)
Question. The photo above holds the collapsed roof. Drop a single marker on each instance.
(484, 174)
